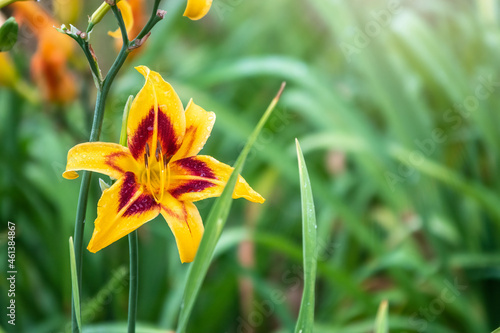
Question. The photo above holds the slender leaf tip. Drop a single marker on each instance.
(278, 95)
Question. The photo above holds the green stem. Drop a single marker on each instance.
(134, 280)
(132, 243)
(153, 19)
(102, 93)
(83, 198)
(96, 71)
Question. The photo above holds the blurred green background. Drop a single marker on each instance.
(396, 106)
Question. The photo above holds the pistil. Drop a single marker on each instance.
(148, 172)
(157, 174)
(162, 169)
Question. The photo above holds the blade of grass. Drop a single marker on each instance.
(382, 321)
(305, 321)
(74, 283)
(215, 223)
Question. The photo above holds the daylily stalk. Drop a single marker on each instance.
(102, 93)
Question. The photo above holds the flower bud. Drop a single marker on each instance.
(196, 9)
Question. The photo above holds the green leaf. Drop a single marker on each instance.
(305, 321)
(103, 185)
(215, 222)
(496, 331)
(8, 34)
(126, 111)
(382, 321)
(74, 283)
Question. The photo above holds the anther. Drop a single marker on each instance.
(146, 157)
(158, 151)
(147, 149)
(166, 159)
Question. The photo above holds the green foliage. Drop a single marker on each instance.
(402, 161)
(214, 225)
(8, 34)
(305, 322)
(382, 321)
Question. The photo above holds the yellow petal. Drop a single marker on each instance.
(200, 177)
(199, 124)
(185, 222)
(156, 115)
(196, 9)
(128, 19)
(122, 208)
(107, 158)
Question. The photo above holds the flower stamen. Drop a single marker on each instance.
(148, 172)
(166, 165)
(158, 151)
(162, 169)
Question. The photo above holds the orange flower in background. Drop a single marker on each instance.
(49, 63)
(196, 9)
(160, 172)
(138, 15)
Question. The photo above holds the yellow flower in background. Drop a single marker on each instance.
(67, 11)
(8, 73)
(196, 9)
(128, 19)
(134, 18)
(159, 172)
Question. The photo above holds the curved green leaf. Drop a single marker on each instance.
(305, 321)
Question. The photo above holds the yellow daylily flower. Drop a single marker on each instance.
(159, 172)
(196, 9)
